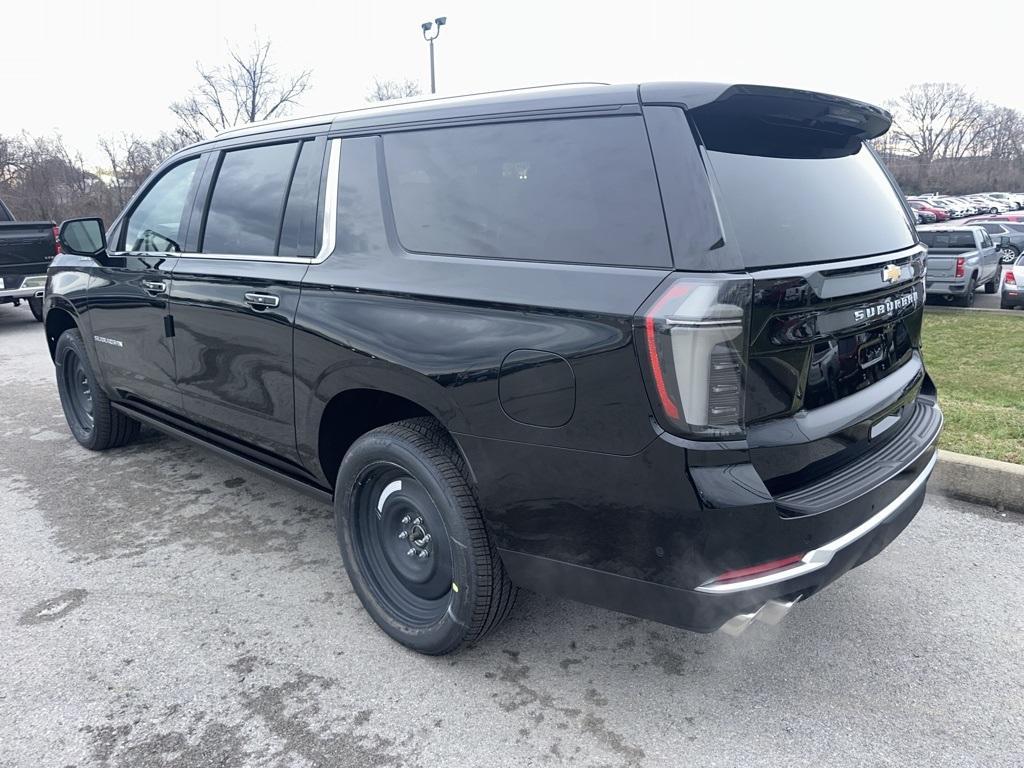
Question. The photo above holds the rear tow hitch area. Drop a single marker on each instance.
(771, 613)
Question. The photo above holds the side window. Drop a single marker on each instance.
(576, 190)
(992, 228)
(247, 203)
(986, 241)
(155, 223)
(297, 229)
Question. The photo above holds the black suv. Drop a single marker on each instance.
(654, 348)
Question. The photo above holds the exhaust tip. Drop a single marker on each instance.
(771, 613)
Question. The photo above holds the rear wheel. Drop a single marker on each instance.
(413, 539)
(1009, 253)
(36, 305)
(93, 421)
(993, 285)
(967, 300)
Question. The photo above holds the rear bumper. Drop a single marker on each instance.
(946, 288)
(626, 533)
(1011, 299)
(22, 286)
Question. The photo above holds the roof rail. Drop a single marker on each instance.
(298, 122)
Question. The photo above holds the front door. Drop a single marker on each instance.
(234, 300)
(128, 295)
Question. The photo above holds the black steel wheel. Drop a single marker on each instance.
(413, 540)
(90, 416)
(402, 544)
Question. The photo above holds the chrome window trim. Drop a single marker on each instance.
(818, 558)
(329, 239)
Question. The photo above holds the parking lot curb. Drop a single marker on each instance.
(938, 308)
(993, 483)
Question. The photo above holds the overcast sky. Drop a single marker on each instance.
(96, 67)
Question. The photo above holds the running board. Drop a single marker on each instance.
(316, 492)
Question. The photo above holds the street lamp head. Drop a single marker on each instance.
(440, 20)
(426, 25)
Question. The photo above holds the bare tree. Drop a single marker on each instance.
(387, 90)
(938, 120)
(248, 88)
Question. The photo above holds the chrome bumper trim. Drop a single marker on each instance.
(818, 558)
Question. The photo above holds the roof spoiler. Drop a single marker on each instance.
(819, 117)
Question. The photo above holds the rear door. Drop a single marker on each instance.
(234, 297)
(805, 209)
(127, 295)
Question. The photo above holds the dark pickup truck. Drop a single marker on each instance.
(26, 250)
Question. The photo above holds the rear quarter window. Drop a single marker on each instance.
(574, 190)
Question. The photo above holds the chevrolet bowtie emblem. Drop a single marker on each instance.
(891, 273)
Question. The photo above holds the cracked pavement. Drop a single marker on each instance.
(161, 607)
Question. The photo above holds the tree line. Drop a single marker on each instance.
(42, 178)
(945, 139)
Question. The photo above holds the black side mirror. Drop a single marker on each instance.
(83, 237)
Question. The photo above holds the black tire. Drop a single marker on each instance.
(36, 305)
(967, 300)
(92, 420)
(993, 285)
(458, 591)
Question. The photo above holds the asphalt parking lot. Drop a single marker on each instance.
(161, 607)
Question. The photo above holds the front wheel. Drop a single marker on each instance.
(993, 285)
(1008, 254)
(414, 542)
(36, 305)
(92, 419)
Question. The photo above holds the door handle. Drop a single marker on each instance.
(154, 286)
(262, 300)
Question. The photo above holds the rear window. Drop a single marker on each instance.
(947, 239)
(581, 191)
(795, 210)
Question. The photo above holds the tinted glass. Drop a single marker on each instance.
(947, 239)
(297, 230)
(986, 241)
(248, 200)
(155, 223)
(555, 190)
(797, 210)
(991, 228)
(1015, 227)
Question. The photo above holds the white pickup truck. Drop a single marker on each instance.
(959, 260)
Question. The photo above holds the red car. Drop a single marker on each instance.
(917, 205)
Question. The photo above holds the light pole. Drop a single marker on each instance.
(426, 27)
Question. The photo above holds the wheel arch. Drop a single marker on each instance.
(58, 319)
(352, 412)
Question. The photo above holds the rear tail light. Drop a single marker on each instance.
(693, 337)
(959, 266)
(1010, 279)
(56, 241)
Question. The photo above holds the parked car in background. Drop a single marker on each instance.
(959, 260)
(26, 249)
(938, 214)
(1008, 240)
(1010, 199)
(591, 387)
(924, 217)
(991, 205)
(1012, 296)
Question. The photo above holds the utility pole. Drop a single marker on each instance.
(426, 26)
